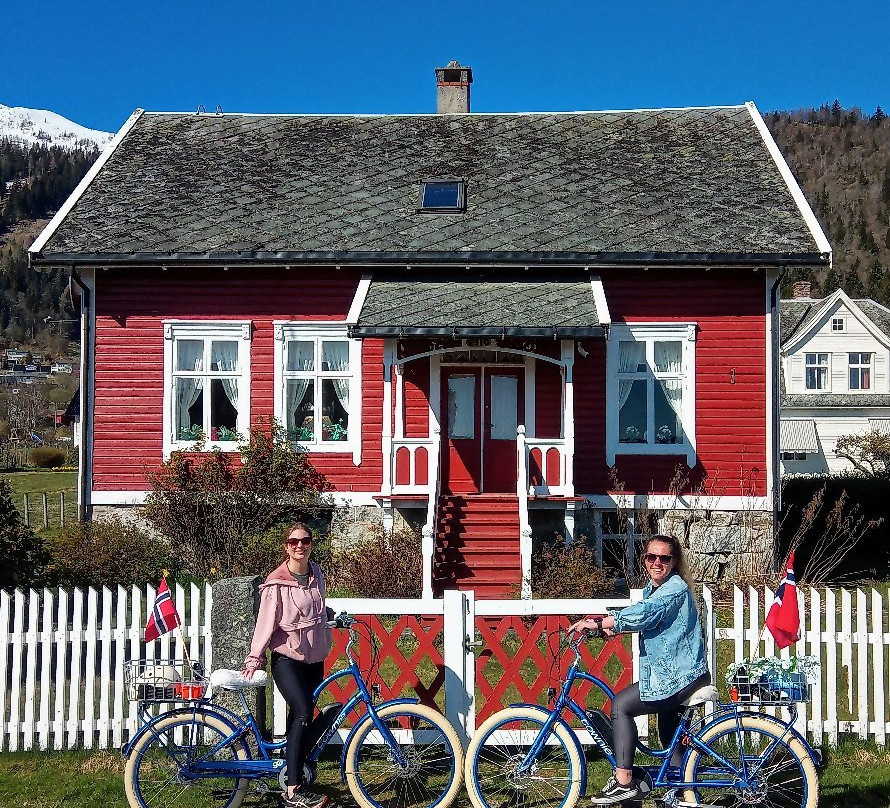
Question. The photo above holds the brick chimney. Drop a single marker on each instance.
(453, 88)
(801, 289)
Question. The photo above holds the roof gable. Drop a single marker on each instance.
(812, 316)
(676, 185)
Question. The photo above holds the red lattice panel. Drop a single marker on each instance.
(414, 669)
(511, 643)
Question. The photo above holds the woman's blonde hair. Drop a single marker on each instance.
(676, 552)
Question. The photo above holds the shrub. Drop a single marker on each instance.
(561, 570)
(109, 551)
(260, 553)
(209, 505)
(23, 552)
(48, 457)
(381, 565)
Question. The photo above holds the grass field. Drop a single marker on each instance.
(53, 483)
(857, 777)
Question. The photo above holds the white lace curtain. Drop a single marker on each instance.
(224, 357)
(630, 356)
(669, 359)
(190, 356)
(336, 358)
(300, 356)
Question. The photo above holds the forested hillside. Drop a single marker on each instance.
(841, 159)
(35, 311)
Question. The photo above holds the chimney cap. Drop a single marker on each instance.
(454, 73)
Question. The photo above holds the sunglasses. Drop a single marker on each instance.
(304, 542)
(651, 558)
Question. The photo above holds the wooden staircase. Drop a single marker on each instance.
(477, 545)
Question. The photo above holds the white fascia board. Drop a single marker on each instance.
(802, 204)
(599, 299)
(826, 310)
(359, 300)
(37, 247)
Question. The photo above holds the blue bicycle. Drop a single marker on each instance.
(398, 754)
(528, 755)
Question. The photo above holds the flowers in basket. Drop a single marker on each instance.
(768, 678)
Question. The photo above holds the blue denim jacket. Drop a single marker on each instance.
(672, 654)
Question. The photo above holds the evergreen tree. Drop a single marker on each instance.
(878, 118)
(23, 552)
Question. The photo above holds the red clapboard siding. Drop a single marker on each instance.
(548, 400)
(416, 390)
(730, 309)
(131, 306)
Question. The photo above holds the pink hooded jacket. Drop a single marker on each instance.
(292, 618)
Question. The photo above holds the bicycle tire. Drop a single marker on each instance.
(433, 774)
(490, 768)
(790, 779)
(151, 754)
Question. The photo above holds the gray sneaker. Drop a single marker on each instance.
(613, 792)
(304, 798)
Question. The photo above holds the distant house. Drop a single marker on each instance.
(62, 367)
(481, 323)
(836, 377)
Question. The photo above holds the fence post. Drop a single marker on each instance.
(27, 510)
(61, 508)
(460, 662)
(45, 510)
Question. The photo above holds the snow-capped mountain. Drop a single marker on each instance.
(30, 126)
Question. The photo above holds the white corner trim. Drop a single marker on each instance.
(599, 299)
(358, 301)
(802, 204)
(37, 247)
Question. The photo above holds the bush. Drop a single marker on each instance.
(382, 565)
(561, 570)
(108, 551)
(23, 552)
(47, 457)
(210, 505)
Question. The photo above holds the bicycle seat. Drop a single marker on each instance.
(233, 680)
(701, 696)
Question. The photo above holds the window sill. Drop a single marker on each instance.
(671, 449)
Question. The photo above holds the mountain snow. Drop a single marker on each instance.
(30, 126)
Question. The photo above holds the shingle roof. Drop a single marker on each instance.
(832, 400)
(678, 185)
(467, 301)
(797, 314)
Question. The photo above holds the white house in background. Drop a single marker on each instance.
(835, 377)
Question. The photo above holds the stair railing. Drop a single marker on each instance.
(525, 531)
(427, 542)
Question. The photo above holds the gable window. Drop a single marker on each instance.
(816, 376)
(860, 370)
(838, 323)
(651, 392)
(207, 384)
(443, 196)
(317, 377)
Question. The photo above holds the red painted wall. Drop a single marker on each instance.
(730, 309)
(131, 305)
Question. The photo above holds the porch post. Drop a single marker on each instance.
(525, 531)
(389, 351)
(568, 360)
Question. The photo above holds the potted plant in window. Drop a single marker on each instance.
(191, 432)
(633, 435)
(665, 434)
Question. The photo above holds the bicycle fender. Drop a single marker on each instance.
(545, 713)
(364, 720)
(222, 714)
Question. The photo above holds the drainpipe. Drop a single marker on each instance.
(84, 474)
(775, 415)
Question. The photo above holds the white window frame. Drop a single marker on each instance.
(870, 366)
(289, 330)
(827, 366)
(685, 333)
(230, 330)
(838, 325)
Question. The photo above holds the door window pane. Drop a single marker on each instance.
(504, 399)
(461, 407)
(632, 414)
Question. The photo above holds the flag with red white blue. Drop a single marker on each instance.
(783, 620)
(163, 616)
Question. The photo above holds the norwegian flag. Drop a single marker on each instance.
(783, 620)
(163, 617)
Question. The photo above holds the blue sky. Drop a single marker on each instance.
(96, 61)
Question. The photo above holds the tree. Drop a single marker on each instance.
(23, 552)
(878, 118)
(868, 452)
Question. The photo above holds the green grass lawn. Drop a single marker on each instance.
(35, 482)
(857, 777)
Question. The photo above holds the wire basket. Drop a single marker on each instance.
(164, 680)
(783, 687)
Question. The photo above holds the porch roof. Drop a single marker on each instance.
(455, 305)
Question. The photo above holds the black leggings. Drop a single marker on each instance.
(296, 681)
(627, 705)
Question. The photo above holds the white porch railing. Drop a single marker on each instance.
(525, 530)
(548, 467)
(413, 462)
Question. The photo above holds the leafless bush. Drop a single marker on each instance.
(561, 570)
(382, 564)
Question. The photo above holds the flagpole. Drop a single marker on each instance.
(181, 636)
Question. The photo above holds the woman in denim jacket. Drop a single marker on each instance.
(672, 660)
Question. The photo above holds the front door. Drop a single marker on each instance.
(481, 408)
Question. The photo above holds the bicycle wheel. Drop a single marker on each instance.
(781, 773)
(154, 776)
(433, 758)
(502, 743)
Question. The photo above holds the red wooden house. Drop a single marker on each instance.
(480, 321)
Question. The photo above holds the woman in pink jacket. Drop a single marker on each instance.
(292, 622)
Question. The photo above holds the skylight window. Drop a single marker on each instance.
(443, 196)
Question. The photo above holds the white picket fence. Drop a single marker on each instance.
(62, 656)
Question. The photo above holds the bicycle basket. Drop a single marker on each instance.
(772, 687)
(162, 680)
